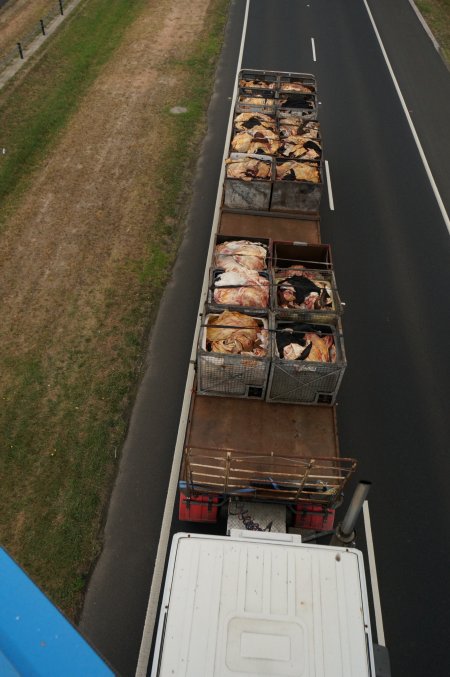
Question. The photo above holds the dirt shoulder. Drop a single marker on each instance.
(83, 260)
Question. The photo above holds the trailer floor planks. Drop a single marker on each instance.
(259, 427)
(278, 227)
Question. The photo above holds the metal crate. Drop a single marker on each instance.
(222, 238)
(269, 77)
(316, 260)
(218, 307)
(315, 256)
(259, 154)
(301, 113)
(232, 375)
(272, 116)
(300, 105)
(268, 104)
(320, 314)
(308, 142)
(253, 194)
(289, 253)
(258, 90)
(297, 196)
(297, 381)
(299, 122)
(307, 79)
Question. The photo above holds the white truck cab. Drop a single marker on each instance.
(258, 603)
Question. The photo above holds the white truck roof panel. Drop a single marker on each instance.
(263, 604)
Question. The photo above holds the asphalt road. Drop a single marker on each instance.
(391, 251)
(392, 255)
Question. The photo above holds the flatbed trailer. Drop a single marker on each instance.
(261, 450)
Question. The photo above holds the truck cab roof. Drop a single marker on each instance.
(258, 603)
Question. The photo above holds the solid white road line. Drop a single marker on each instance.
(373, 575)
(410, 122)
(313, 45)
(330, 190)
(150, 618)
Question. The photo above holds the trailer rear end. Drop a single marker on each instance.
(255, 450)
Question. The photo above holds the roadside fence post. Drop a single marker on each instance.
(20, 50)
(42, 26)
(61, 8)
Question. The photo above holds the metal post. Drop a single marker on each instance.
(20, 50)
(345, 531)
(42, 26)
(61, 8)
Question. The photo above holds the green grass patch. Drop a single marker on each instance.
(437, 15)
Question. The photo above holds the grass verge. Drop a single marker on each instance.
(64, 412)
(33, 113)
(437, 15)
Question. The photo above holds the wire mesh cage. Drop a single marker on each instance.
(305, 290)
(235, 291)
(248, 181)
(242, 373)
(246, 121)
(303, 280)
(288, 137)
(255, 134)
(298, 104)
(297, 186)
(297, 82)
(257, 102)
(234, 252)
(286, 130)
(293, 125)
(251, 80)
(288, 253)
(308, 360)
(299, 147)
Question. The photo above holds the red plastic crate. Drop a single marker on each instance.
(204, 509)
(315, 517)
